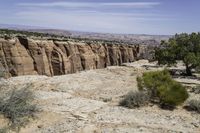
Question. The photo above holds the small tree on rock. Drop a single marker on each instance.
(185, 47)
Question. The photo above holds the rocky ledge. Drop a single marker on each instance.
(23, 56)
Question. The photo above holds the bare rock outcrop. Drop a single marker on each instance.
(22, 56)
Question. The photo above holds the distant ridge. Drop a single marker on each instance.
(130, 38)
(19, 27)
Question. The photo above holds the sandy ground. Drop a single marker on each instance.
(87, 102)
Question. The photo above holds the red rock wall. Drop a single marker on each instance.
(21, 56)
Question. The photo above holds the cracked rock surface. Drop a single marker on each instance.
(87, 102)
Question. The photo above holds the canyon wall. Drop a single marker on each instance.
(22, 56)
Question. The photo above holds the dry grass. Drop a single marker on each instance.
(194, 105)
(17, 107)
(135, 99)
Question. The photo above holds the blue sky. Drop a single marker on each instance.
(110, 16)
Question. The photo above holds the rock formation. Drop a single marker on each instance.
(22, 56)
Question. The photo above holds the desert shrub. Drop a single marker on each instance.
(173, 94)
(4, 130)
(194, 105)
(107, 99)
(17, 107)
(1, 73)
(196, 89)
(139, 83)
(134, 99)
(162, 88)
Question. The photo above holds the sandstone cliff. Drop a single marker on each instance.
(22, 56)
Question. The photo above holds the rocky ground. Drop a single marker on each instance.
(87, 102)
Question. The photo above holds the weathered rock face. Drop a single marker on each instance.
(22, 56)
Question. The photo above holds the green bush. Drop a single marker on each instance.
(194, 105)
(140, 84)
(17, 107)
(135, 99)
(162, 88)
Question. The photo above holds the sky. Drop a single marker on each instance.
(156, 17)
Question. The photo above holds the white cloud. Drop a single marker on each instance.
(133, 4)
(122, 17)
(90, 21)
(92, 4)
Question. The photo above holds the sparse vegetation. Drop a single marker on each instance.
(135, 99)
(185, 47)
(194, 105)
(4, 130)
(17, 107)
(1, 73)
(107, 99)
(162, 88)
(7, 33)
(196, 89)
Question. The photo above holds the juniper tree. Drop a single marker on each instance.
(185, 47)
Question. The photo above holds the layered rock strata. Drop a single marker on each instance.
(22, 56)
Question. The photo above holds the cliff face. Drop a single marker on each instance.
(21, 56)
